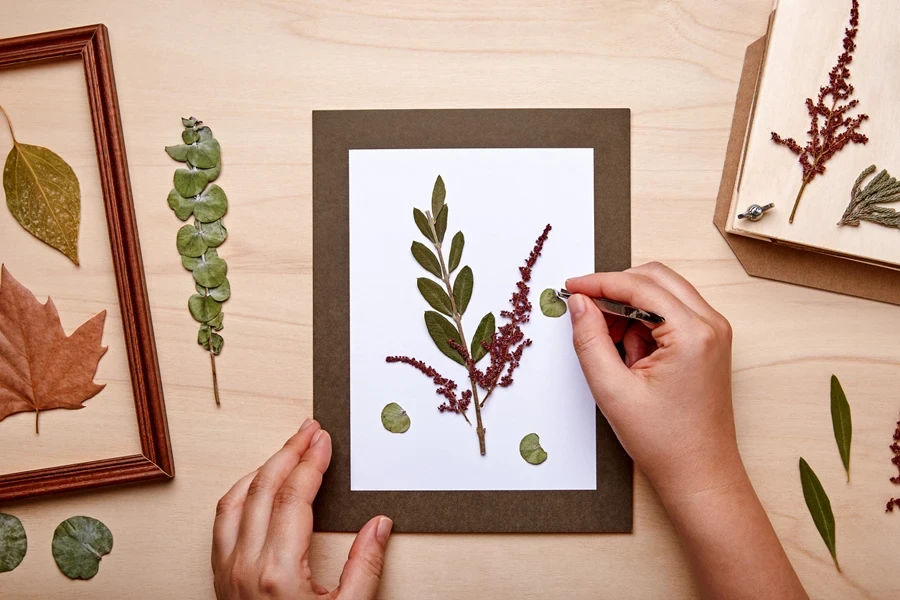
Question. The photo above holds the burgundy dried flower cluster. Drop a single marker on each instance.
(895, 448)
(838, 128)
(505, 348)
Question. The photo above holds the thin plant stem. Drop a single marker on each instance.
(445, 276)
(209, 343)
(9, 124)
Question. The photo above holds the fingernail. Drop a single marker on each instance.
(306, 424)
(317, 437)
(383, 530)
(576, 305)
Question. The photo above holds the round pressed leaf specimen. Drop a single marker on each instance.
(78, 545)
(13, 542)
(530, 449)
(551, 304)
(394, 418)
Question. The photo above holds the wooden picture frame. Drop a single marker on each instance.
(91, 44)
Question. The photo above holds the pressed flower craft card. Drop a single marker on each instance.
(449, 384)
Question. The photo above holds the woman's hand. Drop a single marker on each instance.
(264, 524)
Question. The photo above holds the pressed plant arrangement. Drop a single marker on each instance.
(831, 127)
(195, 195)
(449, 297)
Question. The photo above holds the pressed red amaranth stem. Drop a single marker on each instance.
(895, 448)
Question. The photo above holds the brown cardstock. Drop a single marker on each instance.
(337, 508)
(777, 260)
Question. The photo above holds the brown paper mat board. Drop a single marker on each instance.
(779, 261)
(337, 508)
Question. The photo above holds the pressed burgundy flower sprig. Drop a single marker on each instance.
(505, 345)
(895, 448)
(831, 127)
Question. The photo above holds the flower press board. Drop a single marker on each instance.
(804, 41)
(504, 175)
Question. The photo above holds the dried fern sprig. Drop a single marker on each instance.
(882, 189)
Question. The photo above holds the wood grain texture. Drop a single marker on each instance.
(263, 67)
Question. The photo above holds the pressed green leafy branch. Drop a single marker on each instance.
(43, 194)
(449, 298)
(819, 508)
(195, 195)
(840, 420)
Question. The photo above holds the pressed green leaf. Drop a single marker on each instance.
(189, 136)
(78, 545)
(190, 262)
(394, 418)
(211, 205)
(43, 195)
(211, 271)
(819, 508)
(189, 242)
(213, 173)
(189, 122)
(440, 223)
(213, 234)
(422, 223)
(462, 289)
(435, 295)
(426, 259)
(441, 330)
(840, 420)
(456, 250)
(551, 304)
(204, 154)
(205, 133)
(189, 182)
(183, 207)
(483, 333)
(204, 337)
(438, 194)
(178, 152)
(203, 308)
(530, 449)
(221, 292)
(13, 542)
(217, 322)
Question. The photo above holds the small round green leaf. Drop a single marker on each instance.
(182, 206)
(211, 205)
(189, 242)
(222, 292)
(189, 262)
(189, 122)
(205, 134)
(13, 542)
(178, 152)
(210, 272)
(394, 418)
(551, 304)
(530, 449)
(435, 295)
(204, 337)
(213, 234)
(205, 154)
(203, 308)
(78, 545)
(216, 322)
(189, 182)
(189, 136)
(213, 173)
(462, 289)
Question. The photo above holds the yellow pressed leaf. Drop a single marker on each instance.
(43, 195)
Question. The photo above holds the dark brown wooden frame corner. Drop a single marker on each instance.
(91, 45)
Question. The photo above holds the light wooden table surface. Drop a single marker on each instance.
(254, 71)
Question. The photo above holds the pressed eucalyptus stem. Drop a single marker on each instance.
(445, 276)
(212, 355)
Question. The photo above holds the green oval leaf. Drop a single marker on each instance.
(178, 152)
(217, 322)
(203, 308)
(483, 333)
(394, 418)
(840, 421)
(189, 136)
(422, 223)
(78, 545)
(221, 292)
(204, 337)
(205, 154)
(438, 194)
(213, 234)
(189, 262)
(426, 259)
(213, 173)
(456, 250)
(183, 207)
(189, 182)
(210, 272)
(440, 223)
(819, 508)
(43, 195)
(13, 542)
(189, 122)
(441, 330)
(189, 242)
(205, 133)
(435, 295)
(530, 449)
(551, 304)
(211, 205)
(462, 289)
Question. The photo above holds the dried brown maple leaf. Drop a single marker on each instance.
(40, 368)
